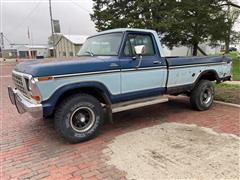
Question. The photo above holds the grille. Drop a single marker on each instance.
(19, 83)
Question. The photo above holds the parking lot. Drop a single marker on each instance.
(170, 139)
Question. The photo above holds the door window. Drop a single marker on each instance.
(136, 40)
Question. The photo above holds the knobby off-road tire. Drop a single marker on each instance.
(202, 95)
(79, 118)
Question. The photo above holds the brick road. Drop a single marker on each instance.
(30, 148)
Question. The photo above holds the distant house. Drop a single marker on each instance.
(32, 51)
(9, 53)
(69, 45)
(25, 51)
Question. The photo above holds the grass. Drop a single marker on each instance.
(236, 65)
(236, 70)
(227, 86)
(227, 93)
(230, 92)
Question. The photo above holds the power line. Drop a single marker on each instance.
(7, 39)
(27, 16)
(75, 3)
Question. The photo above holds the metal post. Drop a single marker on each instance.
(2, 41)
(51, 19)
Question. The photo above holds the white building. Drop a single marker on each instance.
(69, 45)
(32, 51)
(26, 51)
(187, 51)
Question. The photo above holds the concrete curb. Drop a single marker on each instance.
(232, 83)
(227, 104)
(218, 102)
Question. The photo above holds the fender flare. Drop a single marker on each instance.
(49, 104)
(204, 73)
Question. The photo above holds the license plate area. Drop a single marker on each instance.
(19, 105)
(11, 96)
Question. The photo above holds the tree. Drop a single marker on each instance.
(231, 36)
(180, 22)
(192, 22)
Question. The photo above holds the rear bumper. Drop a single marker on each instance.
(24, 105)
(227, 78)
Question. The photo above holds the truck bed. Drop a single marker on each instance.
(182, 61)
(183, 72)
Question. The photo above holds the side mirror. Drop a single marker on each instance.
(140, 49)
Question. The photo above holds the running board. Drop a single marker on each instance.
(138, 103)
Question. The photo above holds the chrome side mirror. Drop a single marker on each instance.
(139, 50)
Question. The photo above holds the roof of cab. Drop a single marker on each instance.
(124, 30)
(135, 30)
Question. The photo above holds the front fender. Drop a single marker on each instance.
(50, 103)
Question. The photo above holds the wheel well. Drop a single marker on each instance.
(95, 92)
(208, 75)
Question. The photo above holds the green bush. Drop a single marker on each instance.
(236, 65)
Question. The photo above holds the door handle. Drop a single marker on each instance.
(156, 62)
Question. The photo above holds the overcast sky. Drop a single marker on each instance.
(17, 15)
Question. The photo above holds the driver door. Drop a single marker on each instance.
(142, 77)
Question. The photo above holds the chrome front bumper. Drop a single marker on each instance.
(24, 105)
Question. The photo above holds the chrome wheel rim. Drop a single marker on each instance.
(206, 96)
(82, 119)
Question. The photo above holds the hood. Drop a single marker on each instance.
(38, 68)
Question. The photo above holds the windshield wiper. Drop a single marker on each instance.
(89, 52)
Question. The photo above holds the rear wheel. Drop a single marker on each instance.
(79, 118)
(202, 95)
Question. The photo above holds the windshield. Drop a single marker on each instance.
(102, 45)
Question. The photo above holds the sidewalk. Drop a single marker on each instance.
(8, 61)
(233, 82)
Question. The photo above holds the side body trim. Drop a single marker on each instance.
(110, 71)
(197, 65)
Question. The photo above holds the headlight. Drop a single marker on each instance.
(34, 90)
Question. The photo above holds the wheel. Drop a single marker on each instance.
(79, 118)
(202, 95)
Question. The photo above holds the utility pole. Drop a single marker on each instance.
(51, 19)
(2, 41)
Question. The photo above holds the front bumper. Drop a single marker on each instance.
(24, 105)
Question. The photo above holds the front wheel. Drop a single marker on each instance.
(79, 118)
(202, 95)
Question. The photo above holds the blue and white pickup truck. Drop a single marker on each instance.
(116, 70)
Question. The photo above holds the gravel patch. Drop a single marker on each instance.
(176, 151)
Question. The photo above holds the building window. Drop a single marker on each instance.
(64, 53)
(70, 53)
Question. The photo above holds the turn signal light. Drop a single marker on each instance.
(46, 78)
(37, 98)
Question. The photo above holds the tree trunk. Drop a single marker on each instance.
(227, 44)
(195, 49)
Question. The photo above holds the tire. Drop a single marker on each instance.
(79, 118)
(202, 95)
